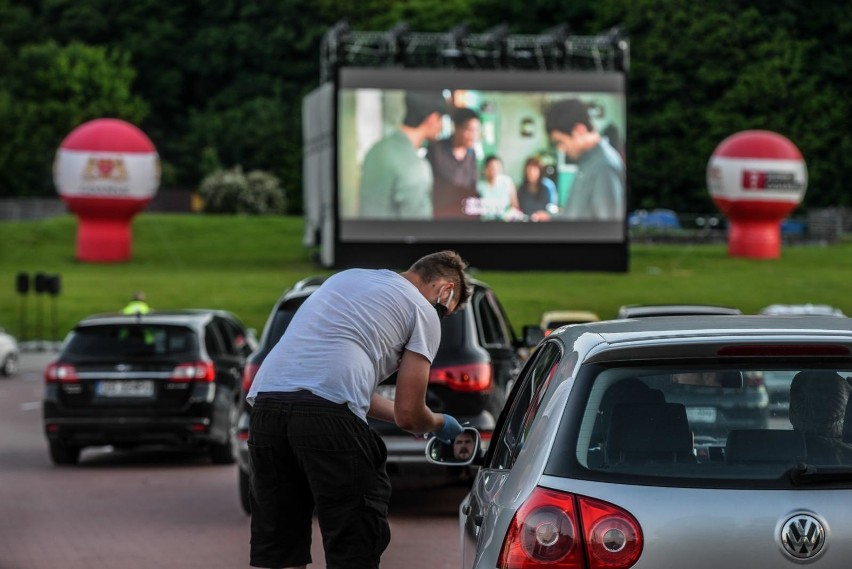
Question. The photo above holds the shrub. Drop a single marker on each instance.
(232, 191)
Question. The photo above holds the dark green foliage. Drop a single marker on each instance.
(217, 83)
(49, 90)
(232, 191)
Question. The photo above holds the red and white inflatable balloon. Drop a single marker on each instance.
(756, 177)
(106, 171)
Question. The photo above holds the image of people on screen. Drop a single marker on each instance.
(597, 192)
(498, 199)
(537, 197)
(454, 166)
(396, 181)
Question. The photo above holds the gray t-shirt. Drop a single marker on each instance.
(348, 336)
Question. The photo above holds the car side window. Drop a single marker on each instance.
(534, 381)
(213, 341)
(493, 326)
(235, 338)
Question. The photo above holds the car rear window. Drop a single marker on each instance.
(710, 422)
(131, 340)
(281, 320)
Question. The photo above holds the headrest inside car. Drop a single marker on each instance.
(731, 379)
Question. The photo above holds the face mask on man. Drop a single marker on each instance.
(443, 309)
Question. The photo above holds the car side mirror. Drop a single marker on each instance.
(533, 336)
(461, 452)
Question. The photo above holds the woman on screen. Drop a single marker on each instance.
(536, 194)
(497, 194)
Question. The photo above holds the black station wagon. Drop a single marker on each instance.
(157, 378)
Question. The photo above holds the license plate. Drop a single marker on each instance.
(701, 414)
(128, 388)
(387, 391)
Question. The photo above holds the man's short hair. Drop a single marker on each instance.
(420, 104)
(491, 158)
(448, 265)
(463, 114)
(566, 114)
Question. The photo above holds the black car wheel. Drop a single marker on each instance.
(245, 490)
(222, 453)
(63, 454)
(10, 365)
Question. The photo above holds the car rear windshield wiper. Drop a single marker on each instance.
(803, 473)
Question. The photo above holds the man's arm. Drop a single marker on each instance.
(409, 411)
(381, 408)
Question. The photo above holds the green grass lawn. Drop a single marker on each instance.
(242, 264)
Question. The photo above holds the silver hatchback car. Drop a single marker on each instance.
(598, 462)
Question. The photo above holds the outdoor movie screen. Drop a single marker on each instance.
(466, 156)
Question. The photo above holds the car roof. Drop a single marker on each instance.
(647, 310)
(310, 284)
(703, 336)
(182, 316)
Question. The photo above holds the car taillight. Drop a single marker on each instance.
(467, 377)
(195, 371)
(60, 373)
(613, 537)
(546, 532)
(248, 376)
(754, 378)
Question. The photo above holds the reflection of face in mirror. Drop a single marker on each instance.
(463, 446)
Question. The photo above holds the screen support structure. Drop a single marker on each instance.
(556, 51)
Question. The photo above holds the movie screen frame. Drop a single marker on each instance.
(511, 108)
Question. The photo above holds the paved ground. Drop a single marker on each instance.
(157, 508)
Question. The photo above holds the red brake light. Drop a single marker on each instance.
(60, 373)
(545, 531)
(467, 377)
(248, 376)
(754, 379)
(613, 536)
(195, 371)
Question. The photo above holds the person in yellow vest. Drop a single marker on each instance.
(137, 305)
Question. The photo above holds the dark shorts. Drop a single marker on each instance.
(308, 455)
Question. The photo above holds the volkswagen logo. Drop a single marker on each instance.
(122, 367)
(803, 537)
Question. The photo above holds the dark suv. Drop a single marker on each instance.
(471, 375)
(158, 378)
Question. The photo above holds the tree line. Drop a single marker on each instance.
(219, 83)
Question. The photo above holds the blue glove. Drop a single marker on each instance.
(450, 430)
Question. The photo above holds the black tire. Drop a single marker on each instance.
(245, 491)
(10, 366)
(63, 454)
(222, 453)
